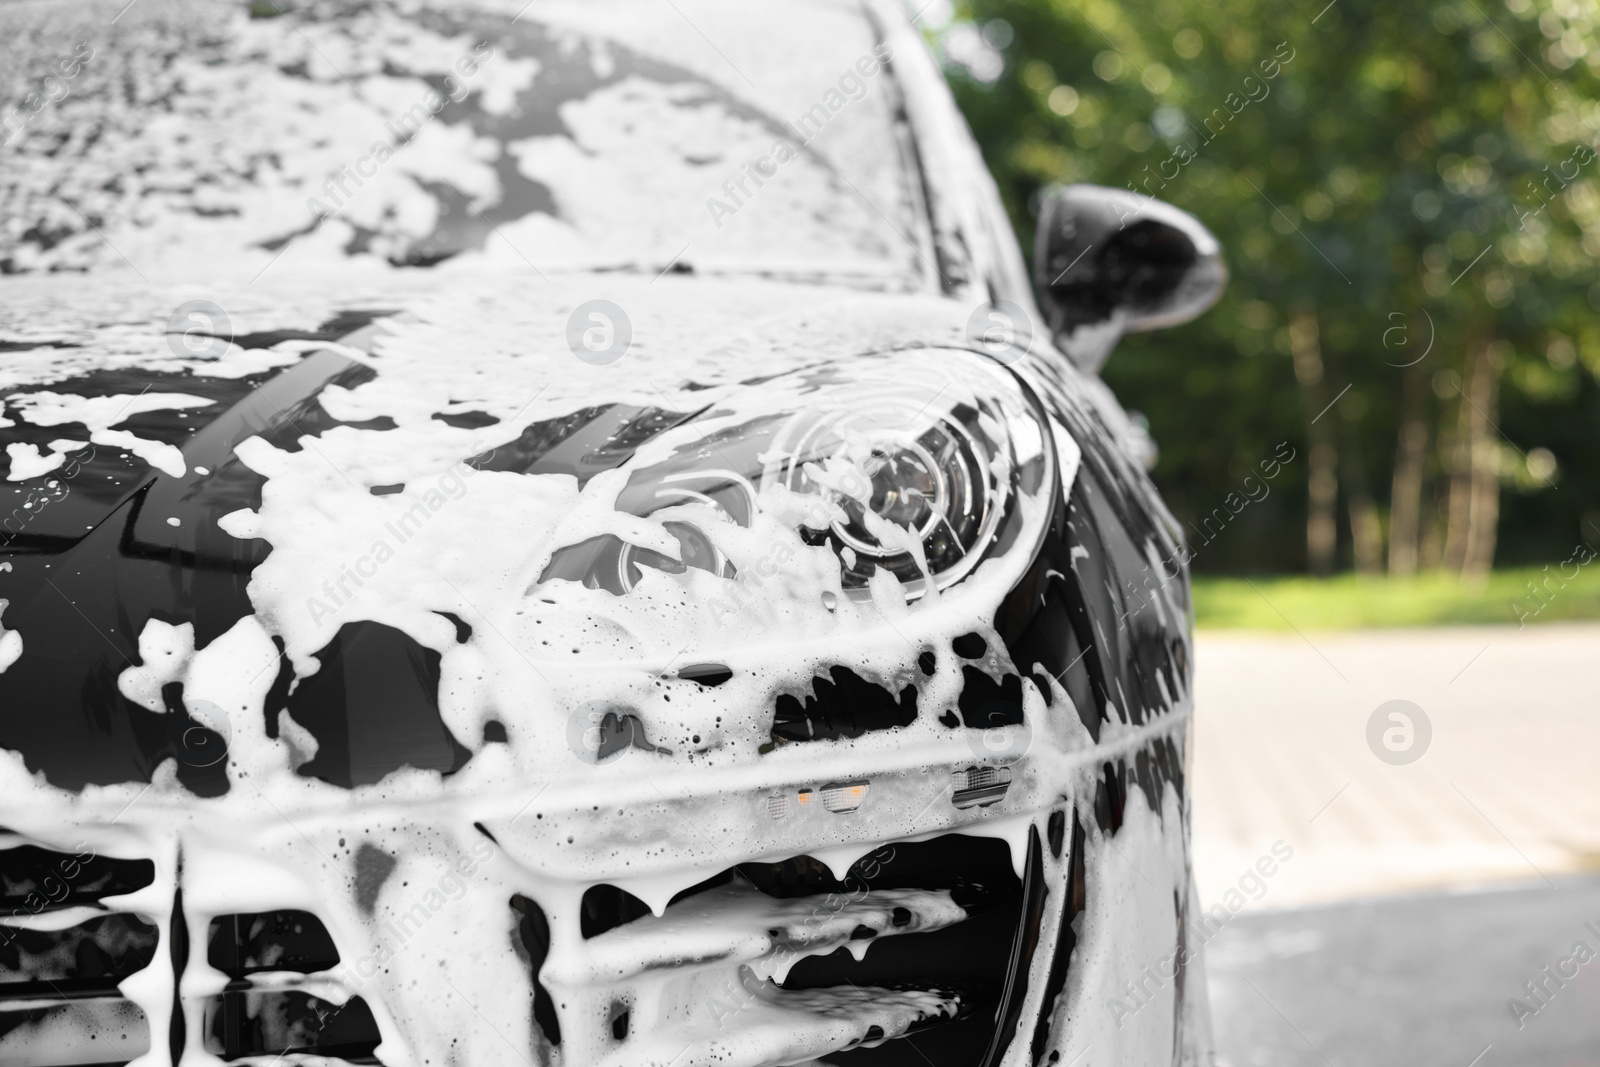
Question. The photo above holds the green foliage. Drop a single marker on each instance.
(1527, 595)
(1407, 170)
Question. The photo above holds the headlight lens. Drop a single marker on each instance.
(917, 485)
(913, 463)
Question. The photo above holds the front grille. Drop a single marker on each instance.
(290, 1022)
(264, 1011)
(92, 1033)
(915, 958)
(63, 953)
(65, 947)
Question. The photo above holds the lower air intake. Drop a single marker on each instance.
(262, 1012)
(62, 955)
(916, 958)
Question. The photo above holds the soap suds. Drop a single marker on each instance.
(474, 545)
(10, 642)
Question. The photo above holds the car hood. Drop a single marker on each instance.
(165, 380)
(190, 518)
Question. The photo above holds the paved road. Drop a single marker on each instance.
(1413, 981)
(1420, 896)
(1508, 787)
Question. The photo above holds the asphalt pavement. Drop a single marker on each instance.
(1438, 861)
(1491, 772)
(1422, 980)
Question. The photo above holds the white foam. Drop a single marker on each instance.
(651, 822)
(27, 462)
(10, 641)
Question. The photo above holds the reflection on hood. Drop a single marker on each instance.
(191, 134)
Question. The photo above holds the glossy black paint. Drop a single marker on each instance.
(1092, 611)
(842, 705)
(583, 444)
(1105, 257)
(1072, 904)
(1023, 948)
(531, 940)
(606, 907)
(82, 595)
(1094, 614)
(178, 952)
(373, 707)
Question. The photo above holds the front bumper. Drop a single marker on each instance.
(884, 904)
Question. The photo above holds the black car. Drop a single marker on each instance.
(563, 536)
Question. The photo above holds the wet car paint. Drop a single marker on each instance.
(1080, 628)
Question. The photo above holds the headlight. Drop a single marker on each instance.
(911, 463)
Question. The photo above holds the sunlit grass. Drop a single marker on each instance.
(1437, 599)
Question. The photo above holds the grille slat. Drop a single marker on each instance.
(63, 953)
(785, 962)
(248, 944)
(35, 880)
(281, 999)
(737, 923)
(89, 1032)
(290, 1023)
(780, 1026)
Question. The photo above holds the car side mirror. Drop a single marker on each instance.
(1109, 262)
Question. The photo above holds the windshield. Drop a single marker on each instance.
(184, 137)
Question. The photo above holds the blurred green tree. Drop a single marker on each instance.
(1407, 196)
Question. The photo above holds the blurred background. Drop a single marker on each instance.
(1399, 667)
